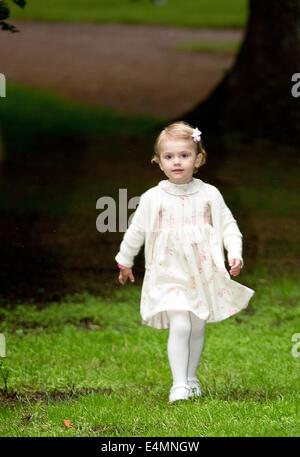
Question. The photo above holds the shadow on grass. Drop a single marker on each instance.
(12, 397)
(228, 393)
(55, 152)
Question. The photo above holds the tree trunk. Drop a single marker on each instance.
(255, 97)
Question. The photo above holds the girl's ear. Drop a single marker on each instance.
(160, 166)
(199, 158)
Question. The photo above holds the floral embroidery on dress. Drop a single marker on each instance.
(207, 213)
(169, 251)
(223, 292)
(171, 275)
(193, 282)
(200, 269)
(187, 267)
(202, 256)
(171, 221)
(174, 289)
(232, 311)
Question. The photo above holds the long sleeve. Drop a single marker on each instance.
(134, 237)
(232, 237)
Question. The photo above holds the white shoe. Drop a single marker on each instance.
(195, 389)
(179, 392)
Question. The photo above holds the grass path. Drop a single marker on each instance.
(142, 69)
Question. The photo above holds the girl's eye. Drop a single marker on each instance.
(183, 155)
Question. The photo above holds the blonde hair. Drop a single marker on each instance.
(180, 130)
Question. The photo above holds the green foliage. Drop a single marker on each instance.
(4, 374)
(58, 118)
(20, 3)
(209, 47)
(4, 10)
(190, 13)
(5, 13)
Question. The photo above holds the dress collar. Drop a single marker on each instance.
(181, 189)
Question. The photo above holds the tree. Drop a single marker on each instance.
(254, 98)
(5, 13)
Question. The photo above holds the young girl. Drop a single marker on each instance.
(185, 225)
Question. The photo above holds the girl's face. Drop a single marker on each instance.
(178, 159)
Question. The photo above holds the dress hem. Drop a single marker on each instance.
(163, 321)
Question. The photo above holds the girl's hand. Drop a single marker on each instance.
(235, 265)
(124, 274)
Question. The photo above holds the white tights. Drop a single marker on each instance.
(185, 344)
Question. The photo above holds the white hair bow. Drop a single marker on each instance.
(196, 135)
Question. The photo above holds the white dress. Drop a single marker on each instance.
(187, 270)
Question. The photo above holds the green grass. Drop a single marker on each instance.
(60, 121)
(273, 200)
(249, 377)
(59, 117)
(210, 48)
(88, 359)
(43, 130)
(45, 134)
(191, 13)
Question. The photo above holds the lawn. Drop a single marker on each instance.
(58, 117)
(230, 47)
(190, 13)
(85, 357)
(90, 361)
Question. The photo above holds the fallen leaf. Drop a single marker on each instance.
(68, 423)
